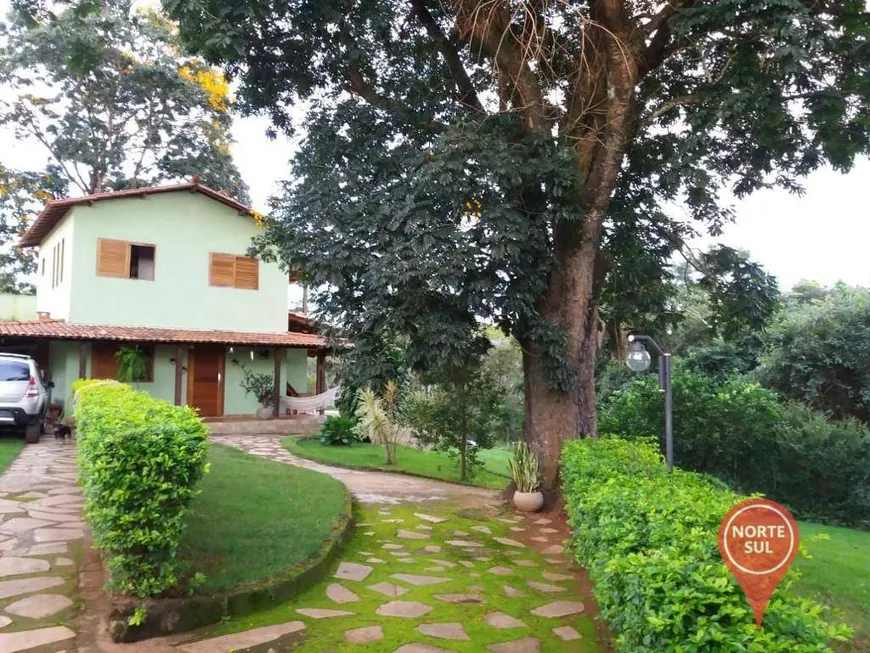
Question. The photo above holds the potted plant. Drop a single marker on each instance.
(262, 387)
(526, 473)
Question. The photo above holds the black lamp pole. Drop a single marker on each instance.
(664, 364)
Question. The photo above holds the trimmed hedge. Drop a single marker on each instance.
(139, 460)
(649, 541)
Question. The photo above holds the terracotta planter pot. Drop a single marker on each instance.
(529, 501)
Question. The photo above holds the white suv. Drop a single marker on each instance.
(23, 395)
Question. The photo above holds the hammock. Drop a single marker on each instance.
(310, 404)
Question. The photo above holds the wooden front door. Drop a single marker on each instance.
(205, 380)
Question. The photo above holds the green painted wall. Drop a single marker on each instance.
(17, 307)
(236, 400)
(64, 369)
(163, 386)
(185, 228)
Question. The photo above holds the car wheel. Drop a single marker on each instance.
(32, 433)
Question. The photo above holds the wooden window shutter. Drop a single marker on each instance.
(222, 270)
(113, 258)
(247, 273)
(104, 364)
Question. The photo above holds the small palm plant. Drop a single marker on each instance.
(377, 417)
(525, 469)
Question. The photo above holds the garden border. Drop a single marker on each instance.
(400, 472)
(172, 616)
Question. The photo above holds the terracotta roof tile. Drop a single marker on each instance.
(55, 210)
(60, 330)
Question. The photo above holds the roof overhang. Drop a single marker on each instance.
(60, 330)
(55, 210)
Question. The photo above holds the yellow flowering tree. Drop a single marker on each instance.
(118, 105)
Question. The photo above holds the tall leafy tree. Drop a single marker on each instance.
(22, 193)
(106, 93)
(819, 353)
(471, 160)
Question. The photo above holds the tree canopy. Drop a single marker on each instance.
(106, 92)
(505, 161)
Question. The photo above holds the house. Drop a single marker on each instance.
(163, 270)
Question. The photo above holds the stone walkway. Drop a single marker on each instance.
(367, 487)
(41, 544)
(432, 568)
(447, 580)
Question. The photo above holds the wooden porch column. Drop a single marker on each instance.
(320, 375)
(276, 395)
(83, 360)
(179, 372)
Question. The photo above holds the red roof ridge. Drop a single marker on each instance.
(61, 330)
(55, 210)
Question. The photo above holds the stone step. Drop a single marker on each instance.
(282, 426)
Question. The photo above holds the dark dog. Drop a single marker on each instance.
(62, 432)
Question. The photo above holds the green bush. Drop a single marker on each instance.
(650, 542)
(139, 460)
(338, 430)
(715, 425)
(819, 353)
(741, 433)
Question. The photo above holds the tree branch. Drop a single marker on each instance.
(660, 28)
(488, 24)
(465, 87)
(673, 103)
(360, 87)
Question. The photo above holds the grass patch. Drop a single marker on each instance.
(255, 519)
(9, 448)
(430, 464)
(465, 572)
(838, 575)
(496, 459)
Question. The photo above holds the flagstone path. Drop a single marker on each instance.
(432, 568)
(367, 487)
(41, 543)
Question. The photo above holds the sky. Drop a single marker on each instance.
(819, 236)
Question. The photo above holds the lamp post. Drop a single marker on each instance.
(638, 360)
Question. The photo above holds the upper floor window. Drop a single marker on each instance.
(125, 260)
(231, 271)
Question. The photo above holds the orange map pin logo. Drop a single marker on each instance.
(758, 540)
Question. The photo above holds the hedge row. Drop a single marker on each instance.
(139, 461)
(741, 433)
(649, 541)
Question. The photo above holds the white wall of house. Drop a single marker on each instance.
(55, 271)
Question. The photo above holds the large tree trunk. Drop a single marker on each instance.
(600, 124)
(553, 416)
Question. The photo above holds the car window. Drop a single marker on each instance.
(14, 371)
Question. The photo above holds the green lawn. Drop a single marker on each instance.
(838, 575)
(496, 459)
(9, 448)
(255, 519)
(409, 460)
